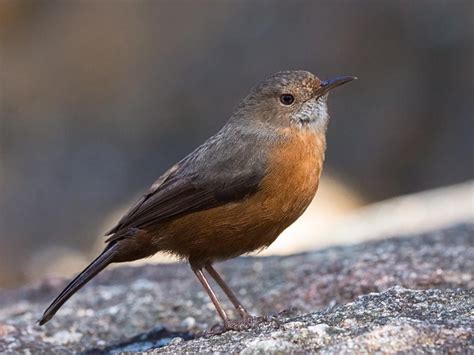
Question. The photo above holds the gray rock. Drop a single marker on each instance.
(400, 294)
(396, 320)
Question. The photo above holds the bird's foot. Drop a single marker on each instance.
(225, 327)
(245, 324)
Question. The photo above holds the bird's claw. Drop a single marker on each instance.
(245, 324)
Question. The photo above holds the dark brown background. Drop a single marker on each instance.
(99, 97)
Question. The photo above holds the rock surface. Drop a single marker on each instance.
(391, 295)
(398, 319)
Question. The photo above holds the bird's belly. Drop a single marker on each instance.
(254, 222)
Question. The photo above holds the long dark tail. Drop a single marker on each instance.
(80, 280)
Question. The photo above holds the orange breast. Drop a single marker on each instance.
(294, 174)
(253, 223)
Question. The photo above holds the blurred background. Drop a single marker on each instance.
(98, 98)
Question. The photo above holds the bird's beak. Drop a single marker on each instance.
(332, 83)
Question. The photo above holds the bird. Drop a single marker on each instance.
(232, 195)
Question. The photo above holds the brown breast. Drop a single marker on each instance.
(254, 223)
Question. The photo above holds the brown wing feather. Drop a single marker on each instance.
(192, 186)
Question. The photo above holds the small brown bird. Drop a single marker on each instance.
(235, 193)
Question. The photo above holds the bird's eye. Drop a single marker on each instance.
(287, 99)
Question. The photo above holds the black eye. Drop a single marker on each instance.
(287, 99)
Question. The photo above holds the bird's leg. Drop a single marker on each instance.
(248, 321)
(202, 279)
(238, 306)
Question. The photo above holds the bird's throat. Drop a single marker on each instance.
(314, 115)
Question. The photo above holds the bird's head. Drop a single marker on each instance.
(290, 98)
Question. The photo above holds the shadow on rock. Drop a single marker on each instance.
(155, 338)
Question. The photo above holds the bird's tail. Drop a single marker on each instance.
(80, 280)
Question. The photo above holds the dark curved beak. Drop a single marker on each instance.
(332, 83)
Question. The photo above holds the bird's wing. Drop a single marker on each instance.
(207, 178)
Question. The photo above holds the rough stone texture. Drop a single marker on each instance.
(337, 300)
(398, 319)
